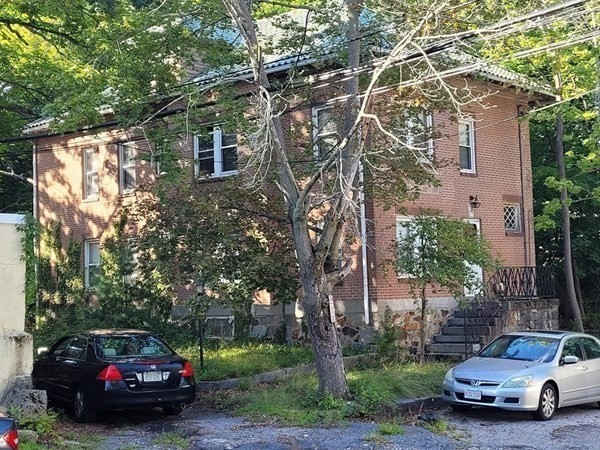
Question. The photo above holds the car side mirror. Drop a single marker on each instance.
(570, 359)
(42, 350)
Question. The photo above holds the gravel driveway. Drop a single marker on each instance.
(479, 429)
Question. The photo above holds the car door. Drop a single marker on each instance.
(591, 348)
(573, 381)
(46, 368)
(71, 366)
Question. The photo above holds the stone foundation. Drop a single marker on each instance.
(540, 314)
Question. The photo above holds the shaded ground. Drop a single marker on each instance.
(200, 428)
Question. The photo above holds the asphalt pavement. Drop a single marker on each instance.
(574, 428)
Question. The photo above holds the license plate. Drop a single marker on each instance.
(152, 376)
(472, 395)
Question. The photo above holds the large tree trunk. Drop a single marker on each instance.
(566, 225)
(422, 333)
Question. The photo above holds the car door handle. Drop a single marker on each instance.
(71, 363)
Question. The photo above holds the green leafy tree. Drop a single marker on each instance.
(224, 243)
(437, 252)
(130, 294)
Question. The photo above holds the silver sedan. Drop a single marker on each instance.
(537, 371)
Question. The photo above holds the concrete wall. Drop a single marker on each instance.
(12, 274)
(16, 346)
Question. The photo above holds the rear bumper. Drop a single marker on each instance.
(125, 399)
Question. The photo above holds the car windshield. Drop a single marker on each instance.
(131, 346)
(523, 348)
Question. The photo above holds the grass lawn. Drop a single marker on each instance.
(296, 401)
(244, 360)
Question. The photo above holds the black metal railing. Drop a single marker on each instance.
(522, 283)
(483, 313)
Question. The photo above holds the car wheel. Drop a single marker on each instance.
(172, 410)
(547, 404)
(83, 412)
(460, 408)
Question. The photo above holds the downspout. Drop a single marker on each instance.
(363, 237)
(524, 220)
(36, 243)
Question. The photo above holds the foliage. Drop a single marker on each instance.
(439, 252)
(172, 440)
(438, 426)
(296, 400)
(243, 360)
(388, 343)
(223, 243)
(43, 424)
(131, 294)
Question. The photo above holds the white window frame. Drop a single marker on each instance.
(471, 132)
(410, 137)
(123, 168)
(400, 221)
(518, 217)
(86, 260)
(317, 134)
(88, 193)
(218, 160)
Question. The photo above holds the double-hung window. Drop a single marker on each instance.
(91, 187)
(91, 262)
(404, 231)
(512, 218)
(127, 168)
(418, 133)
(466, 145)
(325, 135)
(215, 153)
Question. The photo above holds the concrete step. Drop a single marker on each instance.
(484, 321)
(475, 313)
(460, 331)
(454, 339)
(452, 348)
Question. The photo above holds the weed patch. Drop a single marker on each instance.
(172, 440)
(374, 391)
(244, 360)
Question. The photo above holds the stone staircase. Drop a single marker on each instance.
(457, 341)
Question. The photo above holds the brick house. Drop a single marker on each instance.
(84, 178)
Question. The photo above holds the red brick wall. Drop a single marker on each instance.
(60, 174)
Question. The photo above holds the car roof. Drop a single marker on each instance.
(546, 333)
(118, 332)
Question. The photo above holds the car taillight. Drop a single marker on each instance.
(110, 373)
(188, 370)
(12, 439)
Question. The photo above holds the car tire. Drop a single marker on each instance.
(84, 413)
(172, 410)
(460, 408)
(547, 404)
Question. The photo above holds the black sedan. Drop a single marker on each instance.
(112, 370)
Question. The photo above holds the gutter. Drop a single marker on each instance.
(523, 211)
(363, 237)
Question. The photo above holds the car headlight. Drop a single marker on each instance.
(519, 382)
(449, 375)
